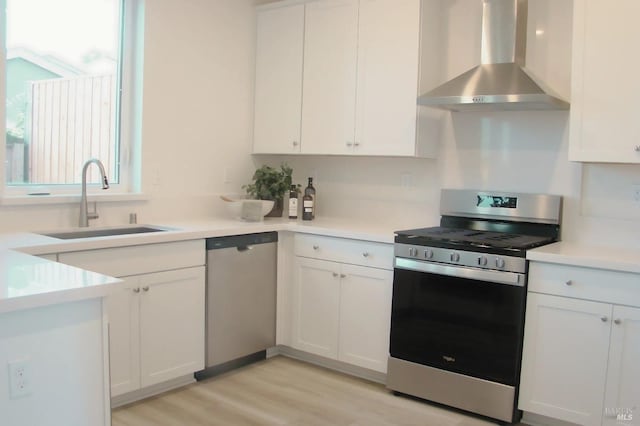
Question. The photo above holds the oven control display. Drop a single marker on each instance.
(495, 201)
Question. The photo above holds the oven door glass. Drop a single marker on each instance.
(458, 324)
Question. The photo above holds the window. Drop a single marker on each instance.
(65, 79)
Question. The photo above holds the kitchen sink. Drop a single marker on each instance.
(105, 232)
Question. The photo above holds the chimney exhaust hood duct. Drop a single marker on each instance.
(499, 83)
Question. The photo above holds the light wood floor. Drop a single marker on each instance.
(283, 391)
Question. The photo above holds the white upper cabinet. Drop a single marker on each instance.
(278, 90)
(605, 84)
(359, 78)
(387, 81)
(330, 67)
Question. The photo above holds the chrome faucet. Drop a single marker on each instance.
(85, 215)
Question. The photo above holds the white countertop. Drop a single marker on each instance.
(601, 257)
(34, 243)
(31, 282)
(25, 284)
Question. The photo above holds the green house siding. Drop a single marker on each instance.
(19, 73)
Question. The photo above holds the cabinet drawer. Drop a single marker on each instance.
(356, 252)
(585, 283)
(134, 260)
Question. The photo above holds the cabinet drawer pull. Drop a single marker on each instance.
(569, 282)
(343, 275)
(295, 143)
(145, 288)
(335, 275)
(136, 290)
(349, 143)
(316, 247)
(617, 321)
(604, 319)
(366, 254)
(637, 148)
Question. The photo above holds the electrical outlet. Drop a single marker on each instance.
(635, 188)
(19, 380)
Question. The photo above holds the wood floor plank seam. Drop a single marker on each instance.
(282, 391)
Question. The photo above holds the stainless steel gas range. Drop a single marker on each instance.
(459, 293)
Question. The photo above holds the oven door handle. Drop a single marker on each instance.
(500, 277)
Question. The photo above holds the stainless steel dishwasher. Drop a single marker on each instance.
(241, 300)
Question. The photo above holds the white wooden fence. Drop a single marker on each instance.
(70, 120)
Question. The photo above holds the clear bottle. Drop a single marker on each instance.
(309, 202)
(293, 202)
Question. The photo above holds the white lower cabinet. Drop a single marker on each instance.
(123, 311)
(171, 324)
(317, 307)
(580, 357)
(623, 374)
(365, 316)
(565, 362)
(341, 311)
(156, 322)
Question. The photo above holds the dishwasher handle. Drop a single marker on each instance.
(242, 249)
(241, 242)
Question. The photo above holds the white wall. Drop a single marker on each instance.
(197, 115)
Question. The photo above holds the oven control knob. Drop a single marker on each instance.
(413, 251)
(428, 254)
(455, 257)
(482, 261)
(499, 262)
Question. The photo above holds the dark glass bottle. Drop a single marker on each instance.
(309, 202)
(293, 202)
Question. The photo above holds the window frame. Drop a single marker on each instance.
(128, 121)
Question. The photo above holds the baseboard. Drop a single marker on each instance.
(147, 392)
(532, 419)
(230, 365)
(364, 373)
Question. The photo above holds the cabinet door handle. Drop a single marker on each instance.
(569, 282)
(145, 288)
(617, 321)
(356, 144)
(136, 290)
(637, 148)
(343, 275)
(349, 143)
(316, 247)
(365, 254)
(335, 275)
(296, 143)
(604, 319)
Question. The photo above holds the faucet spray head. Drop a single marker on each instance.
(105, 182)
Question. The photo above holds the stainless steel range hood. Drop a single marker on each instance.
(499, 83)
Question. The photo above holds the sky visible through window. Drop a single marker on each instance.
(67, 29)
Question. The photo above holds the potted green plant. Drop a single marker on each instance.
(270, 183)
